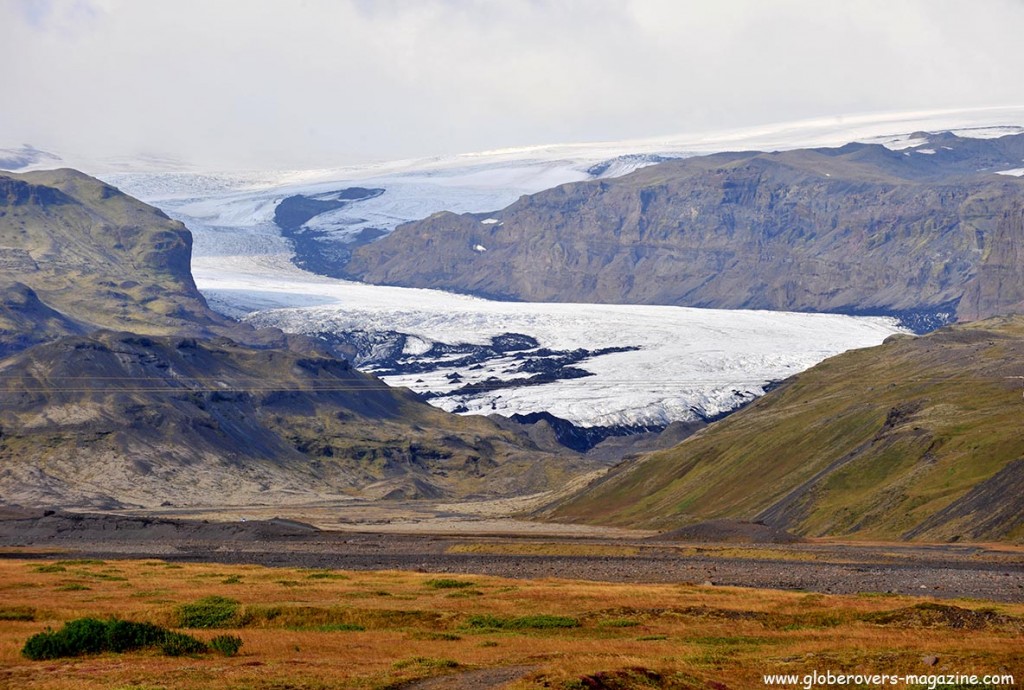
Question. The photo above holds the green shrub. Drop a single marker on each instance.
(228, 645)
(77, 637)
(209, 612)
(93, 636)
(464, 594)
(619, 623)
(82, 561)
(125, 636)
(51, 568)
(178, 644)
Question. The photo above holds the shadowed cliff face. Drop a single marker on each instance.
(859, 229)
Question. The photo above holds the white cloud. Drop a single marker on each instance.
(261, 83)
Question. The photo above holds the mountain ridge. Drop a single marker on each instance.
(113, 419)
(858, 229)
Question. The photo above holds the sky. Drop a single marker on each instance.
(249, 84)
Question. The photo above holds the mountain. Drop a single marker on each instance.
(928, 233)
(77, 254)
(119, 386)
(122, 419)
(918, 438)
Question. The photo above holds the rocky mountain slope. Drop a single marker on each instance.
(120, 387)
(74, 245)
(918, 438)
(928, 232)
(116, 418)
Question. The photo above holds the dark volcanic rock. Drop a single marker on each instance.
(580, 438)
(293, 211)
(316, 250)
(26, 321)
(45, 526)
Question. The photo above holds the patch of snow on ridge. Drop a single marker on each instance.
(1015, 172)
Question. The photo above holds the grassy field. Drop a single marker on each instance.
(318, 629)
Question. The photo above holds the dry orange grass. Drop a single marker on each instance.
(689, 635)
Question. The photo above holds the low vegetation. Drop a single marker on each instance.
(228, 645)
(131, 632)
(447, 583)
(537, 622)
(209, 612)
(92, 636)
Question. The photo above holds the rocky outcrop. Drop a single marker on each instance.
(97, 257)
(858, 229)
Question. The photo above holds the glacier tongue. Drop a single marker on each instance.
(681, 363)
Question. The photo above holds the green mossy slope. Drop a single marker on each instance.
(919, 438)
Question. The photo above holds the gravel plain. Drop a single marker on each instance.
(991, 572)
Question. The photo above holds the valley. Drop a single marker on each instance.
(546, 345)
(642, 477)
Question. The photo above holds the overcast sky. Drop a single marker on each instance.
(301, 83)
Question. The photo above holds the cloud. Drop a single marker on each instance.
(260, 83)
